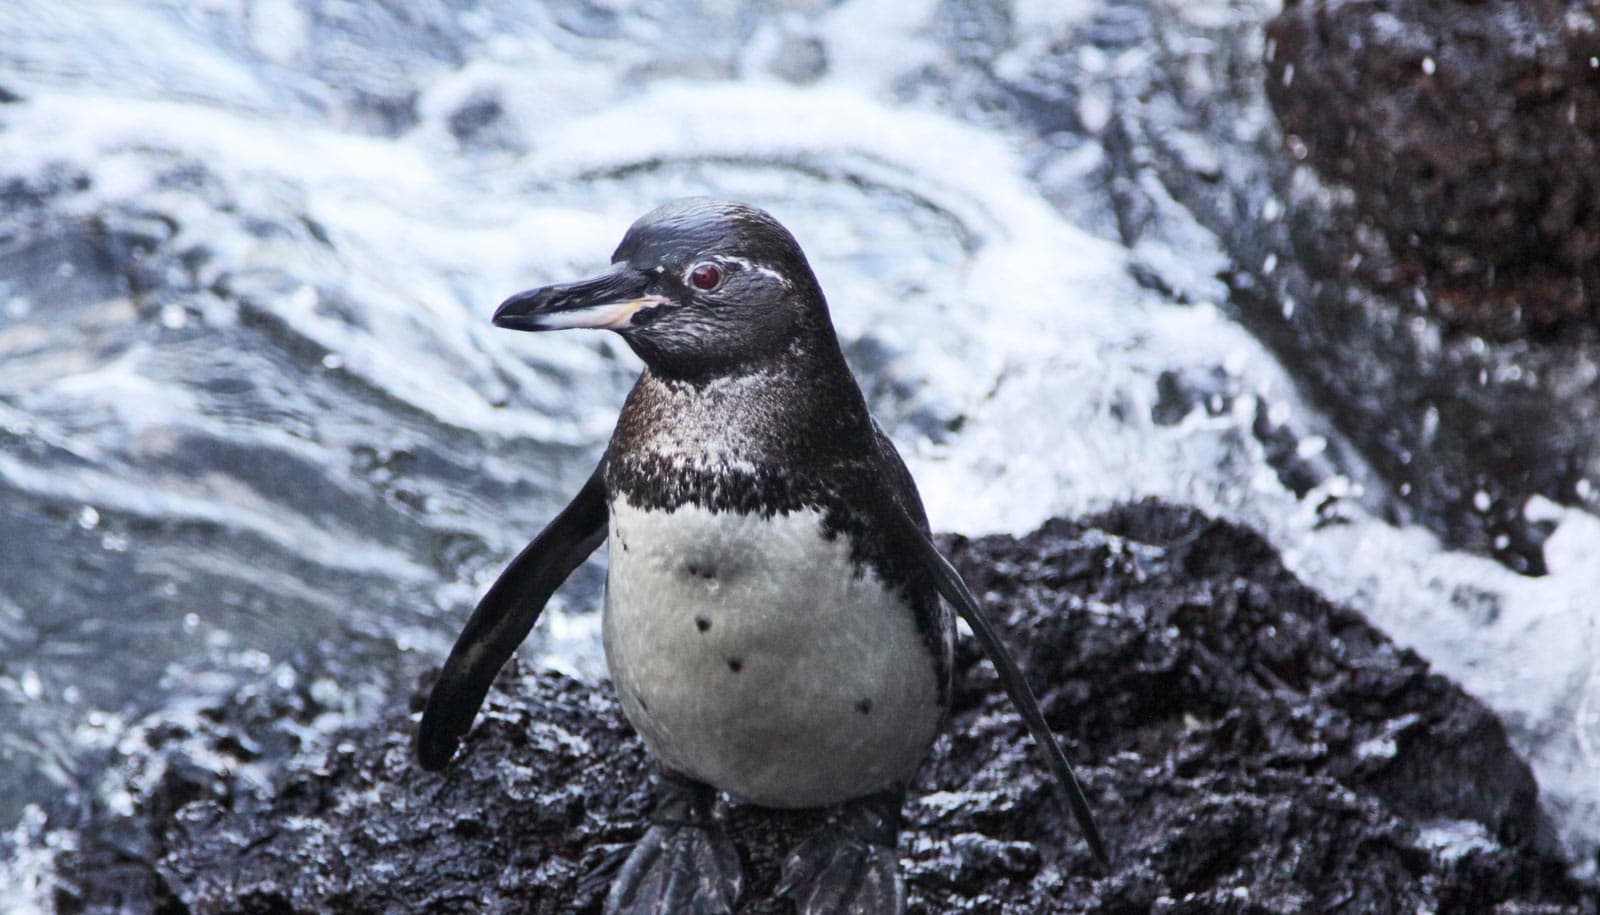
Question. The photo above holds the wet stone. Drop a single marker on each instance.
(1458, 126)
(1246, 744)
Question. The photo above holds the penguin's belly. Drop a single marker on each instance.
(752, 654)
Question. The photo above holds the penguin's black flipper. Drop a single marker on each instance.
(954, 590)
(503, 619)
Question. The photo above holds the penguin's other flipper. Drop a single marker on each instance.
(954, 590)
(503, 619)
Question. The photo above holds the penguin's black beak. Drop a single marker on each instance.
(608, 301)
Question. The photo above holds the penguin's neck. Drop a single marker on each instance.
(744, 441)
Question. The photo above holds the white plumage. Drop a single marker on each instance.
(751, 653)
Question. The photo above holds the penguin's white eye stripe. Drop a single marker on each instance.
(754, 267)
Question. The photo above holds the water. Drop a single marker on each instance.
(254, 422)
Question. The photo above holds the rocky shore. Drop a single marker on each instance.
(1248, 747)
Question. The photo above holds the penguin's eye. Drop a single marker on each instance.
(705, 276)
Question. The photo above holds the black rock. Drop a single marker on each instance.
(1248, 747)
(1457, 126)
(1410, 245)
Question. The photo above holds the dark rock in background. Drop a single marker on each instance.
(1469, 134)
(1248, 747)
(1345, 238)
(1452, 136)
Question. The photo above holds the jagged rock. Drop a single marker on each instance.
(1461, 128)
(1354, 277)
(1248, 747)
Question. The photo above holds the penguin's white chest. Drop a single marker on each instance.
(752, 654)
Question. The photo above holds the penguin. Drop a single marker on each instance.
(777, 621)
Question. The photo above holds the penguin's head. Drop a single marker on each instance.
(698, 286)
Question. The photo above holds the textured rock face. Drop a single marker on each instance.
(1248, 747)
(1368, 247)
(1469, 133)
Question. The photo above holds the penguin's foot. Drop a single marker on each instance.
(851, 866)
(684, 864)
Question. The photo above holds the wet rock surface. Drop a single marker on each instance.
(1438, 254)
(1461, 128)
(1415, 247)
(1248, 747)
